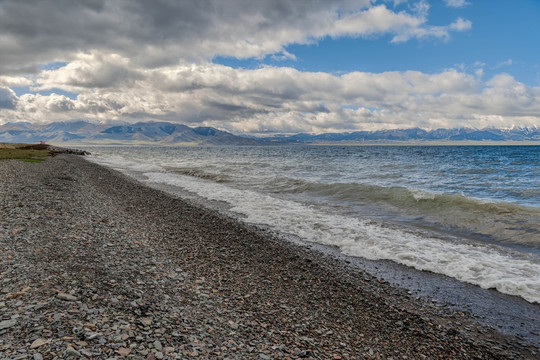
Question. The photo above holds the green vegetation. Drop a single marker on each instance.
(24, 152)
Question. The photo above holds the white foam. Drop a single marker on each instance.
(483, 265)
(419, 195)
(120, 163)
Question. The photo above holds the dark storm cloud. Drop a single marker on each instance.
(165, 32)
(152, 32)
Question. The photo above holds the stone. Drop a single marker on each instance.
(67, 297)
(39, 342)
(7, 324)
(123, 351)
(146, 321)
(71, 352)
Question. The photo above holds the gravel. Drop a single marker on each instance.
(97, 266)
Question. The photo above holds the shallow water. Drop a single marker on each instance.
(469, 212)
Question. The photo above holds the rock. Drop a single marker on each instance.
(314, 314)
(91, 335)
(123, 351)
(146, 321)
(86, 353)
(7, 324)
(67, 297)
(71, 352)
(39, 342)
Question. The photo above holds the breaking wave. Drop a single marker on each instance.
(198, 174)
(485, 265)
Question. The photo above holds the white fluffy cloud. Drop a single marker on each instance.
(139, 60)
(278, 99)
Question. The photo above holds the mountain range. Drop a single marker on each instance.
(166, 133)
(417, 135)
(82, 132)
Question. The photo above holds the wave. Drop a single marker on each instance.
(219, 178)
(487, 266)
(405, 197)
(327, 214)
(500, 221)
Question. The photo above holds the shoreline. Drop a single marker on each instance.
(154, 274)
(509, 314)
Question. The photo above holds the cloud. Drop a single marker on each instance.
(15, 81)
(440, 32)
(508, 62)
(8, 99)
(92, 71)
(456, 3)
(278, 99)
(396, 2)
(461, 25)
(136, 60)
(162, 33)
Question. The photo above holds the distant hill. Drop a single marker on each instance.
(165, 133)
(82, 132)
(414, 135)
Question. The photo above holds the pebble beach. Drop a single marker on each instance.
(95, 265)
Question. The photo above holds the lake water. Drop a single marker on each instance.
(468, 212)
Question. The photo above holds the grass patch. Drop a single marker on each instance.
(23, 152)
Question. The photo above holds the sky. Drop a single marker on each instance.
(273, 67)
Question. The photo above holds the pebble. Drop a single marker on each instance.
(146, 321)
(71, 352)
(157, 277)
(7, 324)
(67, 297)
(39, 342)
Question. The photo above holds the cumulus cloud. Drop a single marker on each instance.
(281, 99)
(137, 60)
(90, 71)
(15, 81)
(160, 33)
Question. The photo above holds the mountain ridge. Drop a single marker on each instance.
(416, 135)
(166, 133)
(82, 132)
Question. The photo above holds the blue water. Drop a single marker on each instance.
(469, 212)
